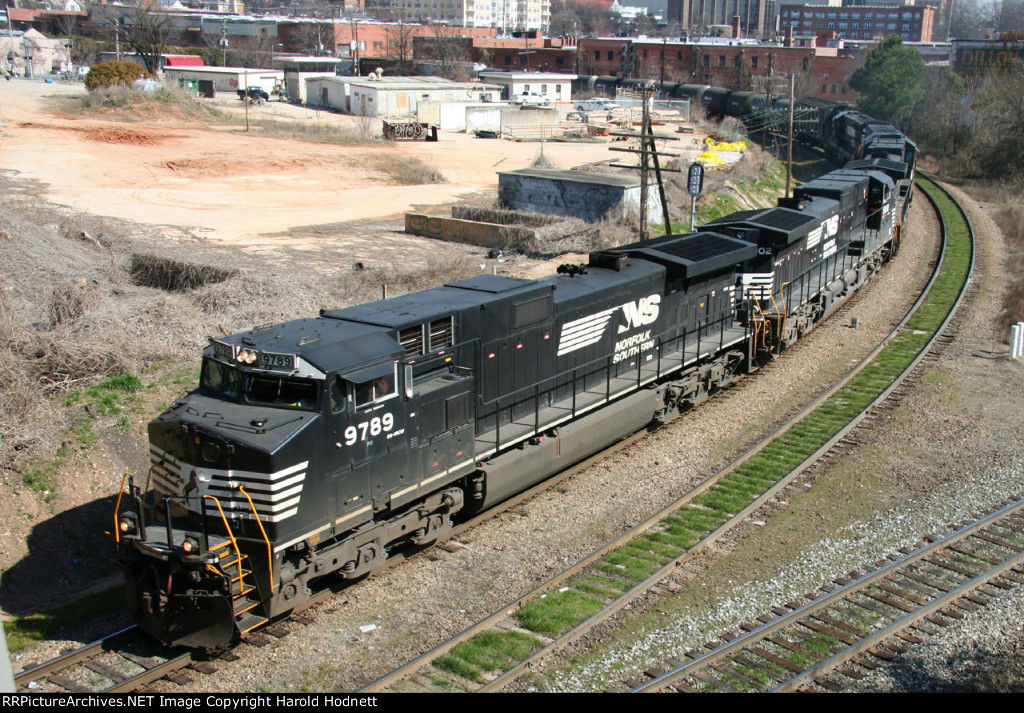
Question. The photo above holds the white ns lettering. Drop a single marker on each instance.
(640, 313)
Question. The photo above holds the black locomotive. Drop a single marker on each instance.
(316, 446)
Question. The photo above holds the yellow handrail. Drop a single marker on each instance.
(117, 508)
(270, 555)
(149, 475)
(757, 303)
(227, 527)
(785, 304)
(776, 306)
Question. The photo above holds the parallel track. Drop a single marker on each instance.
(120, 662)
(505, 645)
(876, 613)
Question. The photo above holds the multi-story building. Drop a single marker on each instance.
(911, 23)
(736, 64)
(757, 17)
(506, 15)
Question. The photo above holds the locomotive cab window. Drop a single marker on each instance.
(221, 379)
(373, 385)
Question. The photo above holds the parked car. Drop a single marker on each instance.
(596, 104)
(255, 95)
(531, 99)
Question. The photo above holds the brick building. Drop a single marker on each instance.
(736, 64)
(912, 23)
(757, 17)
(385, 39)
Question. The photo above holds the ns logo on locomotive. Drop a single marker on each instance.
(314, 447)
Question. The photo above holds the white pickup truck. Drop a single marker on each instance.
(531, 99)
(596, 104)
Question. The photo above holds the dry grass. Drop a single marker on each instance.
(541, 161)
(1011, 221)
(174, 276)
(357, 133)
(408, 170)
(83, 299)
(128, 104)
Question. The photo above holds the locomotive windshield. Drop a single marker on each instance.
(221, 379)
(228, 383)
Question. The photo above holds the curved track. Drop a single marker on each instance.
(920, 590)
(503, 646)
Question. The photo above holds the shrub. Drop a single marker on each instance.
(106, 74)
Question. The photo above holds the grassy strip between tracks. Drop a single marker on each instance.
(604, 581)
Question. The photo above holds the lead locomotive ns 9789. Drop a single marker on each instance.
(314, 447)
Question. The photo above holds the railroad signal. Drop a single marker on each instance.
(694, 185)
(695, 181)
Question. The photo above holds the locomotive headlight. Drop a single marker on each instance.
(190, 545)
(127, 524)
(246, 356)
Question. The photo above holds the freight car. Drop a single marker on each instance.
(313, 448)
(843, 132)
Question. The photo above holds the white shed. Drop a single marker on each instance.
(393, 96)
(556, 86)
(225, 79)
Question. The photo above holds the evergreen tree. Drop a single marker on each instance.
(890, 81)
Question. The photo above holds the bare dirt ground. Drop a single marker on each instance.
(228, 186)
(282, 207)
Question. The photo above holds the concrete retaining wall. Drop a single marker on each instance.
(488, 235)
(592, 197)
(505, 217)
(509, 117)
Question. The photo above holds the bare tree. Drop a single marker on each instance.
(146, 31)
(968, 19)
(941, 122)
(1011, 16)
(400, 44)
(643, 24)
(448, 49)
(998, 125)
(564, 21)
(316, 37)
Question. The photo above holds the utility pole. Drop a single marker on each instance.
(355, 47)
(224, 43)
(648, 155)
(789, 161)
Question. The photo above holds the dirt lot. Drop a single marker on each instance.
(225, 185)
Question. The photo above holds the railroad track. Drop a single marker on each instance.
(867, 617)
(662, 551)
(503, 646)
(120, 662)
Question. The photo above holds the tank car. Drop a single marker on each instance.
(313, 448)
